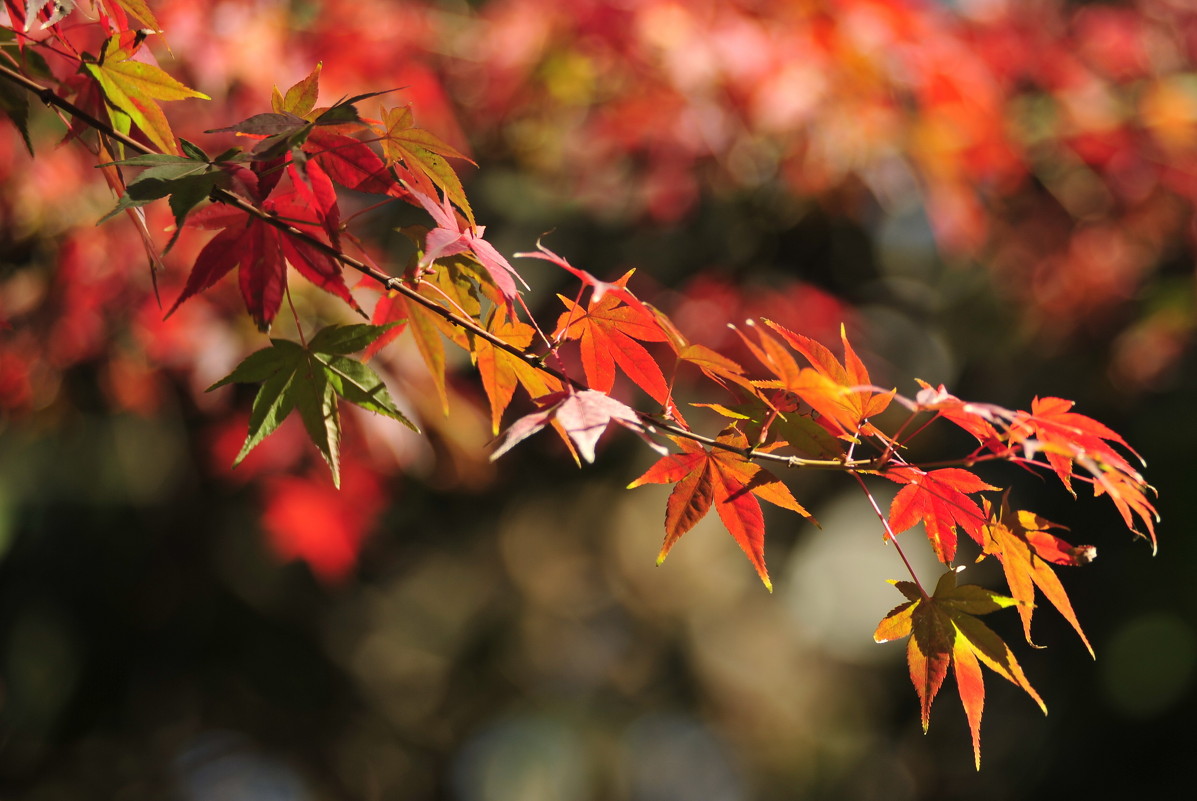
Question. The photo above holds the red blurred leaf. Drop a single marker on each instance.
(307, 518)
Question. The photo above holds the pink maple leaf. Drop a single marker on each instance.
(582, 416)
(449, 238)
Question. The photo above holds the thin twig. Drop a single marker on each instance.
(889, 532)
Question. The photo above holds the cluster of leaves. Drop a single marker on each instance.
(799, 406)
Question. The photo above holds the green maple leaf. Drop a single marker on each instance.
(187, 180)
(311, 379)
(945, 632)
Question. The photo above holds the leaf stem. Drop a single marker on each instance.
(298, 328)
(889, 532)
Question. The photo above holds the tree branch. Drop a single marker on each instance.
(396, 284)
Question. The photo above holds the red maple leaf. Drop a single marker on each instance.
(939, 500)
(261, 251)
(600, 288)
(726, 480)
(978, 419)
(351, 163)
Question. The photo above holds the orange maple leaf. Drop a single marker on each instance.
(1026, 549)
(728, 481)
(501, 371)
(607, 331)
(840, 393)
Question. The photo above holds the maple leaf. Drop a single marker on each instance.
(1026, 549)
(134, 8)
(186, 180)
(134, 87)
(852, 403)
(1064, 435)
(979, 419)
(1067, 438)
(300, 99)
(607, 331)
(259, 249)
(1129, 495)
(766, 425)
(714, 365)
(424, 156)
(449, 238)
(278, 132)
(502, 371)
(581, 416)
(840, 393)
(310, 378)
(939, 500)
(454, 285)
(351, 163)
(728, 481)
(294, 120)
(945, 632)
(14, 103)
(600, 288)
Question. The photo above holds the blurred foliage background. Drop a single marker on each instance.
(995, 194)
